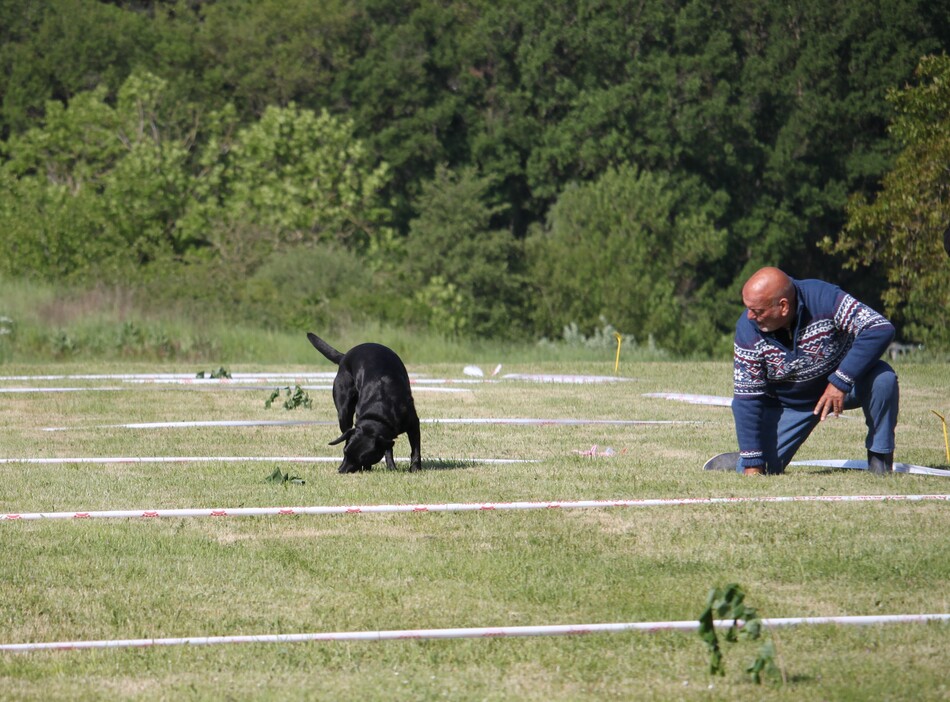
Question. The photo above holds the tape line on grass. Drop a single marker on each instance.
(102, 460)
(469, 633)
(511, 421)
(214, 384)
(452, 507)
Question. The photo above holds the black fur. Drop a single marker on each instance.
(373, 384)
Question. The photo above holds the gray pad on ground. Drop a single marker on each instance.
(724, 461)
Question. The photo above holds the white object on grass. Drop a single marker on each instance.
(558, 378)
(689, 625)
(437, 420)
(863, 465)
(692, 399)
(226, 459)
(452, 507)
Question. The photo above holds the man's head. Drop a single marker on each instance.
(769, 298)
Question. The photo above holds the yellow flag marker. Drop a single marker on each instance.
(946, 443)
(619, 341)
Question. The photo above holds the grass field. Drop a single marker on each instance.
(77, 580)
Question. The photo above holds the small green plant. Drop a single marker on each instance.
(63, 344)
(729, 603)
(222, 372)
(295, 399)
(283, 478)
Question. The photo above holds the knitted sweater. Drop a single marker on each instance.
(836, 340)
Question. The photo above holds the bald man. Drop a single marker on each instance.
(805, 349)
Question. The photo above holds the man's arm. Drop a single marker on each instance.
(749, 385)
(872, 333)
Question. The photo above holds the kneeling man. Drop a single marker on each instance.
(805, 349)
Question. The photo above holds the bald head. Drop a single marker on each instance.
(769, 297)
(769, 282)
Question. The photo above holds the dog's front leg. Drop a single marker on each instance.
(390, 463)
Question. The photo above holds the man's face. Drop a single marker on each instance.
(768, 314)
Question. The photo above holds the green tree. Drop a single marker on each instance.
(466, 275)
(96, 190)
(265, 52)
(900, 231)
(817, 73)
(108, 188)
(293, 177)
(56, 49)
(637, 249)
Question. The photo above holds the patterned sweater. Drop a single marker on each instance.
(836, 340)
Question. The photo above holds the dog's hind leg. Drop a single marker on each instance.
(415, 446)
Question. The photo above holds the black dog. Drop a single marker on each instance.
(372, 383)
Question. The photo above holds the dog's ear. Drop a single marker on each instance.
(343, 437)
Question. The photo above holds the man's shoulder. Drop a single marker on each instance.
(814, 285)
(820, 297)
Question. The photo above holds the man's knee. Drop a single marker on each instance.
(884, 383)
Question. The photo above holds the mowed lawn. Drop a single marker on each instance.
(116, 579)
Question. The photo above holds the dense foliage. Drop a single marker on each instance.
(901, 230)
(489, 169)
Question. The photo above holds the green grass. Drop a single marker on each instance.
(118, 579)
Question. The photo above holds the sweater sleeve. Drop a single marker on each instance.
(749, 386)
(872, 333)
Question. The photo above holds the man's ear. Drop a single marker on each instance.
(343, 437)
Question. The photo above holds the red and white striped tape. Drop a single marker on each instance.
(863, 465)
(469, 633)
(454, 507)
(196, 382)
(502, 421)
(103, 460)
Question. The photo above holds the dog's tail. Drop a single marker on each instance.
(325, 348)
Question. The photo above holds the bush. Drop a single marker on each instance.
(637, 248)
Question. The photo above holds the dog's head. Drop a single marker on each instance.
(363, 448)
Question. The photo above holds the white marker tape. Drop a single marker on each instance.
(863, 465)
(570, 379)
(233, 459)
(202, 424)
(693, 399)
(328, 375)
(450, 420)
(690, 625)
(450, 507)
(196, 383)
(25, 390)
(557, 422)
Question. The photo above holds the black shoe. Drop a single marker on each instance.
(880, 463)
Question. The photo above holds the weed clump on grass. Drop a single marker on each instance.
(729, 603)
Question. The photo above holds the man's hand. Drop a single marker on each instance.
(831, 401)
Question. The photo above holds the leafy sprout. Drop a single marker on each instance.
(293, 399)
(729, 603)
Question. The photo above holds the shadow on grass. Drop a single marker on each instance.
(447, 464)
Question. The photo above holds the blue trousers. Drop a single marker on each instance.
(784, 429)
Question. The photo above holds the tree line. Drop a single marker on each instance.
(480, 168)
